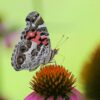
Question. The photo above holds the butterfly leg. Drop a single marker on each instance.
(53, 61)
(63, 58)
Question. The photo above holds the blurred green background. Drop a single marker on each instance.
(77, 19)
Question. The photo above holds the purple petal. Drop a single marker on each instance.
(76, 95)
(34, 96)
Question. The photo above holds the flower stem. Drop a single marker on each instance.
(55, 97)
(66, 97)
(45, 98)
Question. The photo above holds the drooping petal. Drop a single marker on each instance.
(76, 95)
(34, 96)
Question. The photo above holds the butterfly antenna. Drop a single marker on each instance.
(61, 41)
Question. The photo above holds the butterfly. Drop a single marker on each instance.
(34, 48)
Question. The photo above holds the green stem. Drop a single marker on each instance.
(45, 98)
(55, 97)
(66, 97)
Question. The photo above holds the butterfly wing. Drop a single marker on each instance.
(40, 47)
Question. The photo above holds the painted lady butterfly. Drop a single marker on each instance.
(34, 48)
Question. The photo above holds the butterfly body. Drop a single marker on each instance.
(34, 48)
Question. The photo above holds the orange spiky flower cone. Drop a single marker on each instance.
(53, 82)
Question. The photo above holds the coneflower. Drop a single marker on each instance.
(52, 82)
